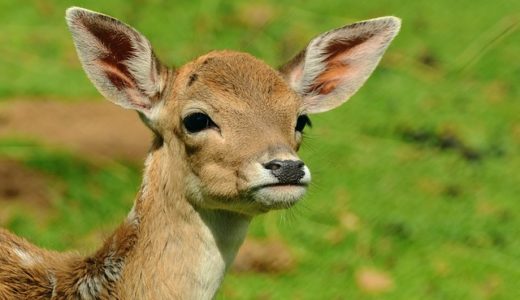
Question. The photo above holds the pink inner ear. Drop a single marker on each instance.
(119, 49)
(337, 66)
(296, 74)
(328, 80)
(341, 47)
(116, 76)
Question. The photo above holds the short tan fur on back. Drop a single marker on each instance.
(227, 130)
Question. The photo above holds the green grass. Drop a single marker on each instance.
(441, 221)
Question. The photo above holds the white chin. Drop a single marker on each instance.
(279, 196)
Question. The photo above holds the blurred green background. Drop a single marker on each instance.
(416, 189)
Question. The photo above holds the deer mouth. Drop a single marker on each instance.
(281, 185)
(278, 195)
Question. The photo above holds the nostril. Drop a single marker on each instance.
(273, 165)
(286, 171)
(278, 164)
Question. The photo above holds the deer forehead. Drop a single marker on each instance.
(228, 82)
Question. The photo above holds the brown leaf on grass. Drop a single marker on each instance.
(515, 132)
(485, 208)
(496, 91)
(373, 281)
(349, 221)
(256, 15)
(266, 256)
(18, 182)
(491, 286)
(22, 189)
(441, 267)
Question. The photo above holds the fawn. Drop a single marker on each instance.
(227, 128)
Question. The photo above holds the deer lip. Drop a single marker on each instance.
(268, 185)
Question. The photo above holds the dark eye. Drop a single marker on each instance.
(301, 122)
(197, 122)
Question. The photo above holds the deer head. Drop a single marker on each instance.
(231, 124)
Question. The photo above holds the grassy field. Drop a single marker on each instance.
(417, 184)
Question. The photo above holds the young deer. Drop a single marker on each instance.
(227, 128)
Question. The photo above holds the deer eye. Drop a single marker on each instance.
(301, 122)
(197, 122)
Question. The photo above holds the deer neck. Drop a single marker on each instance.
(181, 251)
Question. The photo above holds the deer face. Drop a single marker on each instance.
(234, 122)
(238, 121)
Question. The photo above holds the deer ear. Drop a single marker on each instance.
(117, 59)
(337, 63)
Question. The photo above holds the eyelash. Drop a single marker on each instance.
(301, 122)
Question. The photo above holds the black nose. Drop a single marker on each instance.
(286, 171)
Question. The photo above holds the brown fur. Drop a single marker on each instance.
(52, 275)
(200, 189)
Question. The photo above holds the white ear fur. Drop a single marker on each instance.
(337, 63)
(117, 59)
